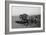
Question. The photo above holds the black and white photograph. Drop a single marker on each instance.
(24, 17)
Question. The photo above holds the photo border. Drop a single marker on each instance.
(24, 29)
(7, 16)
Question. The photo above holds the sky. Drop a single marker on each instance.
(17, 10)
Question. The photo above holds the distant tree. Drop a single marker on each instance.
(23, 16)
(35, 19)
